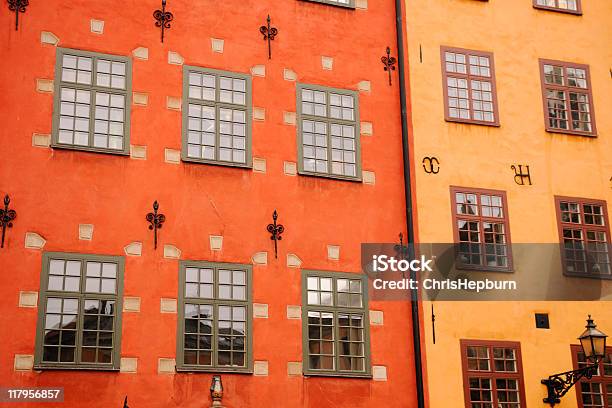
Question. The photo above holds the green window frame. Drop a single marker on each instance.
(335, 324)
(92, 102)
(79, 314)
(215, 317)
(328, 132)
(217, 117)
(339, 3)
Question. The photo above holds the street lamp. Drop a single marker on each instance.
(593, 343)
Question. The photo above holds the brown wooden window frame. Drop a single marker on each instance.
(566, 89)
(469, 78)
(584, 228)
(491, 373)
(601, 378)
(556, 8)
(505, 220)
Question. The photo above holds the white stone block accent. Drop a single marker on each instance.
(366, 128)
(173, 103)
(96, 26)
(40, 140)
(141, 53)
(167, 305)
(289, 118)
(175, 58)
(259, 114)
(23, 362)
(172, 156)
(293, 261)
(217, 45)
(216, 242)
(131, 304)
(86, 232)
(171, 252)
(258, 71)
(34, 241)
(294, 312)
(44, 85)
(166, 366)
(133, 249)
(289, 75)
(361, 4)
(128, 365)
(369, 177)
(333, 252)
(47, 37)
(260, 310)
(327, 63)
(260, 368)
(138, 152)
(294, 368)
(140, 99)
(28, 299)
(376, 318)
(364, 86)
(290, 168)
(259, 165)
(379, 373)
(260, 258)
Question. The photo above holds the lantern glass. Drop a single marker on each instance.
(593, 342)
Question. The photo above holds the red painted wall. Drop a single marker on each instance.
(54, 191)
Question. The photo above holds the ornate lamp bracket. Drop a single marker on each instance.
(389, 63)
(275, 230)
(156, 220)
(268, 34)
(6, 217)
(163, 19)
(18, 6)
(558, 385)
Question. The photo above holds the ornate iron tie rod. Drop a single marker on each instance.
(156, 220)
(276, 230)
(18, 6)
(268, 34)
(6, 217)
(389, 63)
(163, 18)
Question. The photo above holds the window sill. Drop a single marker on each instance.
(472, 122)
(571, 132)
(215, 163)
(213, 370)
(330, 3)
(587, 276)
(364, 376)
(483, 268)
(90, 149)
(42, 367)
(575, 13)
(330, 176)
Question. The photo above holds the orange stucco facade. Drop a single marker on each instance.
(56, 190)
(475, 156)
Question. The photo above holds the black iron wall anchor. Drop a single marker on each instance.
(125, 405)
(559, 384)
(520, 176)
(156, 220)
(6, 217)
(268, 34)
(163, 18)
(389, 63)
(276, 230)
(18, 6)
(431, 165)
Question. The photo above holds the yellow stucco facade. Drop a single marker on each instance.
(518, 35)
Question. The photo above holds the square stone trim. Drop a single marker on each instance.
(260, 310)
(376, 318)
(258, 71)
(289, 118)
(172, 156)
(168, 305)
(369, 177)
(141, 53)
(174, 58)
(361, 4)
(379, 373)
(364, 86)
(217, 45)
(128, 365)
(166, 366)
(96, 26)
(259, 114)
(47, 37)
(44, 85)
(333, 252)
(133, 249)
(327, 63)
(259, 165)
(216, 242)
(23, 362)
(260, 368)
(171, 252)
(40, 140)
(131, 304)
(294, 368)
(260, 258)
(86, 232)
(34, 241)
(366, 128)
(294, 312)
(140, 99)
(138, 152)
(28, 299)
(289, 75)
(290, 168)
(293, 261)
(173, 103)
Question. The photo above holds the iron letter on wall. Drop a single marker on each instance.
(431, 165)
(520, 175)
